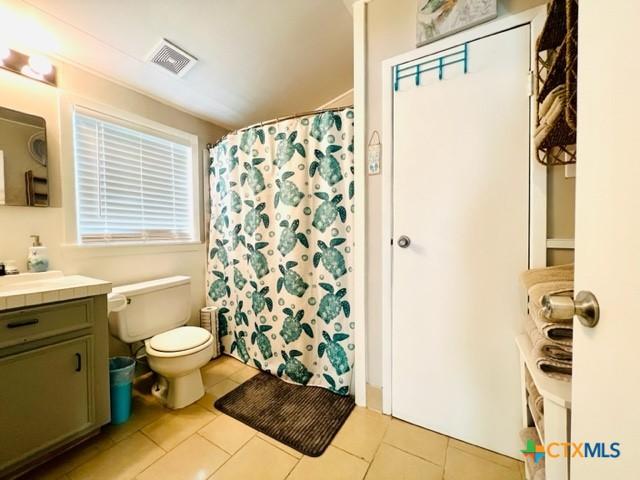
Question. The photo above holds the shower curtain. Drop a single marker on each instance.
(280, 252)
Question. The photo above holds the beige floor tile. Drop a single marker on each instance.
(257, 460)
(220, 389)
(244, 374)
(207, 402)
(342, 466)
(144, 410)
(122, 461)
(174, 427)
(465, 466)
(280, 445)
(362, 432)
(486, 454)
(418, 441)
(194, 459)
(219, 369)
(390, 462)
(73, 458)
(227, 433)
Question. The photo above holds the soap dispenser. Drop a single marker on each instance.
(38, 259)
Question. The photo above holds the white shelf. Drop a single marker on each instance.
(561, 243)
(551, 389)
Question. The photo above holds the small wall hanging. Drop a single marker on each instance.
(374, 152)
(439, 18)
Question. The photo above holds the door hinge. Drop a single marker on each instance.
(530, 83)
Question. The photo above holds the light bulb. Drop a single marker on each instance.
(40, 65)
(5, 52)
(30, 72)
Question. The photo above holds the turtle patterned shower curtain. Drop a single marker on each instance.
(281, 247)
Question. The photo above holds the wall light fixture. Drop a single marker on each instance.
(36, 67)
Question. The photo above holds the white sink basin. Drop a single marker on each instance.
(27, 280)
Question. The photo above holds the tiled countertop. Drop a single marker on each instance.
(51, 290)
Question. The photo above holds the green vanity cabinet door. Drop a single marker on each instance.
(45, 395)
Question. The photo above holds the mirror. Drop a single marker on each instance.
(24, 178)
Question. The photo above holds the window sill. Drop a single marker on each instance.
(130, 249)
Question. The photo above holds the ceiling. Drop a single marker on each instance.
(258, 59)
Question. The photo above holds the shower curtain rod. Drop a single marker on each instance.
(276, 120)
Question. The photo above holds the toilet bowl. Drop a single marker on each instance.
(177, 355)
(155, 312)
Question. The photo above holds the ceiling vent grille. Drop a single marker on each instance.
(172, 58)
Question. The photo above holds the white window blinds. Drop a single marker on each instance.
(132, 184)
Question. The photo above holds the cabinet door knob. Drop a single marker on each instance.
(78, 362)
(404, 241)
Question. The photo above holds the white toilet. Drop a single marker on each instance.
(155, 312)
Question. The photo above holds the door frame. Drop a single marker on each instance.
(537, 173)
(360, 222)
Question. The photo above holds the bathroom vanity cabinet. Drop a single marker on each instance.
(54, 378)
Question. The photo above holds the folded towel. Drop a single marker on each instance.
(552, 114)
(550, 111)
(538, 404)
(552, 359)
(559, 91)
(547, 274)
(538, 400)
(555, 369)
(536, 470)
(538, 291)
(537, 418)
(528, 380)
(546, 347)
(560, 333)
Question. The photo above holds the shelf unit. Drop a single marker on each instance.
(557, 409)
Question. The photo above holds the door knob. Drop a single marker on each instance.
(404, 241)
(585, 307)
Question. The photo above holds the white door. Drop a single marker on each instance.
(606, 379)
(460, 193)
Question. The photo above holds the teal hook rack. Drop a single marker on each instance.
(436, 62)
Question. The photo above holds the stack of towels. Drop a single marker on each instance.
(535, 401)
(536, 470)
(550, 111)
(552, 340)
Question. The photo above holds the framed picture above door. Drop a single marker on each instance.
(439, 18)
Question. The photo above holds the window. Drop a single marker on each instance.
(133, 184)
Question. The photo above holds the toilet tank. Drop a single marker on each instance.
(152, 307)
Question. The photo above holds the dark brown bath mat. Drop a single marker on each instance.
(303, 418)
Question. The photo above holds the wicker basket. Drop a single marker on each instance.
(557, 61)
(571, 53)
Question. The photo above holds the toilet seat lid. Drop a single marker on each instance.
(179, 339)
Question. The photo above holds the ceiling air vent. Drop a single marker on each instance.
(172, 58)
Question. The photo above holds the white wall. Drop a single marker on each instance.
(116, 264)
(343, 100)
(391, 30)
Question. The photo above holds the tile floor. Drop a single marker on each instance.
(199, 442)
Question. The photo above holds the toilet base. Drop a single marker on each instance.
(179, 392)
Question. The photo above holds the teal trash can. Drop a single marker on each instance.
(121, 370)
